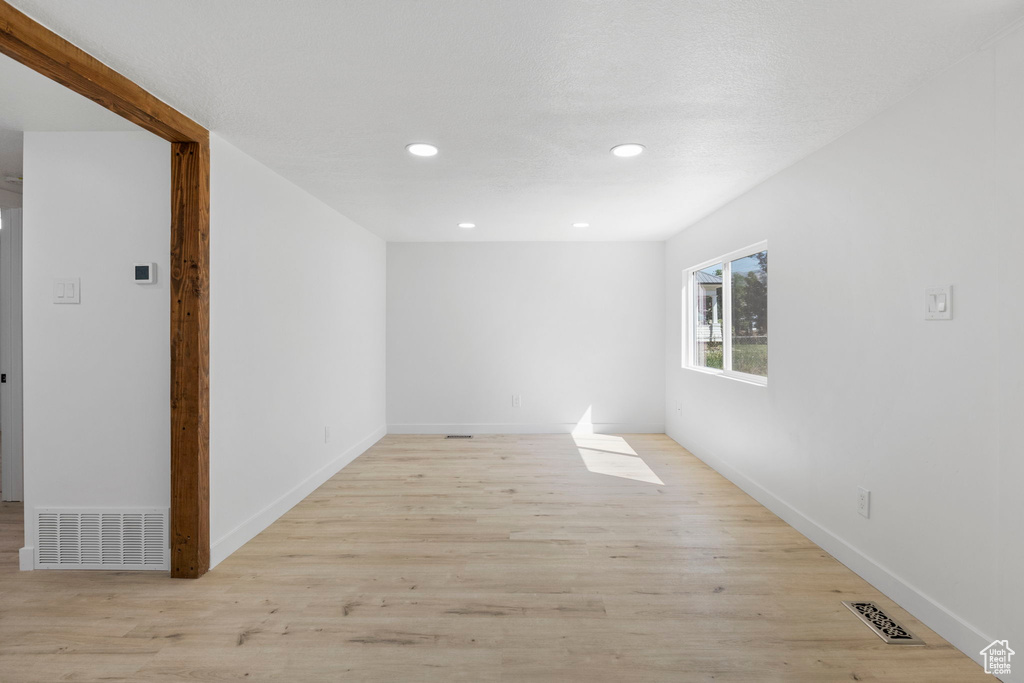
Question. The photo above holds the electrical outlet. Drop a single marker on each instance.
(517, 401)
(327, 434)
(864, 501)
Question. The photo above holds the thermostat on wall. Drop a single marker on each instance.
(145, 273)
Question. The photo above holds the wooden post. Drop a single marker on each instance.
(190, 359)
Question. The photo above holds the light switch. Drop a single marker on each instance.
(939, 303)
(67, 291)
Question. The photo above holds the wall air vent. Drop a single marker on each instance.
(884, 626)
(459, 436)
(91, 538)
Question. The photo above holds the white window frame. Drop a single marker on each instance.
(690, 316)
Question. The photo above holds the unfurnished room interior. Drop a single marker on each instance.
(427, 340)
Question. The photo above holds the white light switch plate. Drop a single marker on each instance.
(938, 302)
(67, 291)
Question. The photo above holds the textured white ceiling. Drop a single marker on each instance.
(29, 101)
(525, 97)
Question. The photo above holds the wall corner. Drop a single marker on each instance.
(26, 559)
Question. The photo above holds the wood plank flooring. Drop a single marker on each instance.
(501, 558)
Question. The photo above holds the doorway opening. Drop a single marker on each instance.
(11, 453)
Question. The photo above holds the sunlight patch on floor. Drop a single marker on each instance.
(609, 454)
(618, 465)
(603, 442)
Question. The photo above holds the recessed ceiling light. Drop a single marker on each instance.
(581, 225)
(630, 149)
(467, 226)
(421, 149)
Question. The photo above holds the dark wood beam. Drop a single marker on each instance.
(190, 359)
(32, 44)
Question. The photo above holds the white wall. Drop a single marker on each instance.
(862, 390)
(1008, 222)
(97, 374)
(566, 325)
(297, 345)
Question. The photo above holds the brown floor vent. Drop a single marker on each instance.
(459, 436)
(884, 626)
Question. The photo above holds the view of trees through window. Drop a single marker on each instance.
(750, 314)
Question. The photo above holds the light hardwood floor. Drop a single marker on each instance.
(502, 558)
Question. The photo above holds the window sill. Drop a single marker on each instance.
(737, 377)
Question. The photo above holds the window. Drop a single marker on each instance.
(727, 328)
(709, 307)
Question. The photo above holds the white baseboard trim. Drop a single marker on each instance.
(27, 559)
(963, 635)
(516, 428)
(247, 530)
